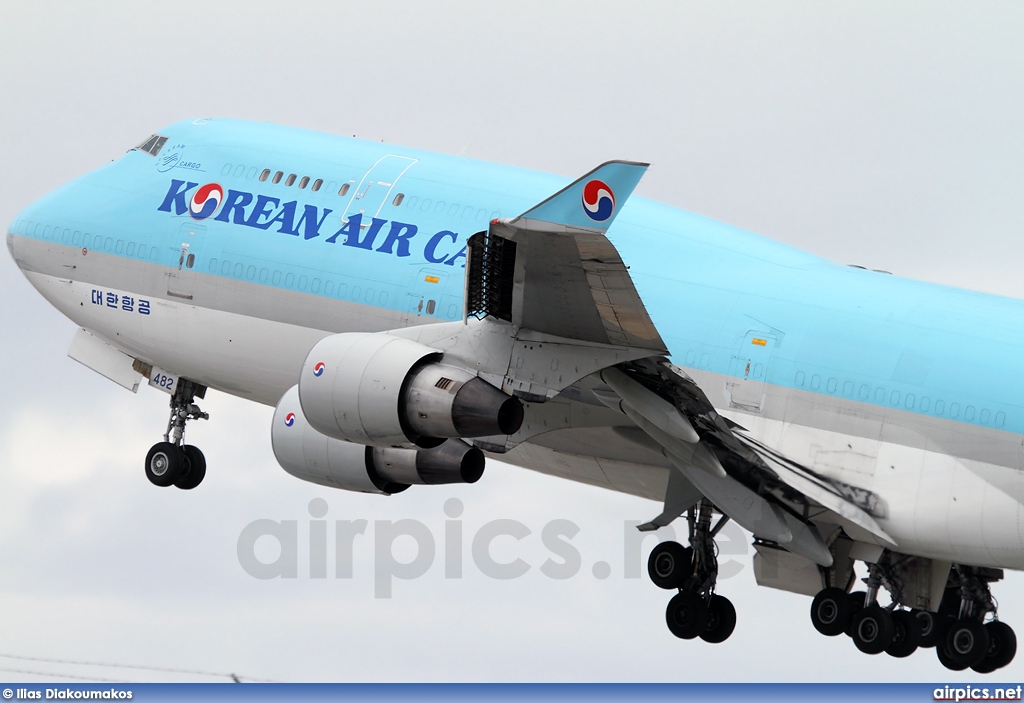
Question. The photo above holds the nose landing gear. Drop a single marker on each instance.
(171, 462)
(696, 610)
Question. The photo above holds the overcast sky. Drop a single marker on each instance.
(884, 134)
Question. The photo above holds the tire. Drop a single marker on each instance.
(1002, 646)
(932, 628)
(945, 659)
(830, 612)
(196, 463)
(721, 620)
(165, 464)
(966, 643)
(670, 564)
(856, 605)
(906, 635)
(686, 615)
(872, 630)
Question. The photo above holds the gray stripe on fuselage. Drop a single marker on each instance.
(213, 292)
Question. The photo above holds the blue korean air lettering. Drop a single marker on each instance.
(264, 212)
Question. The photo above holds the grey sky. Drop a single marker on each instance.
(885, 134)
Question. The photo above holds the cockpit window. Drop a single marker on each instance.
(152, 145)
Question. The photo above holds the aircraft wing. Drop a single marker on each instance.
(553, 270)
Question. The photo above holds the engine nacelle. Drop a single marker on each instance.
(307, 454)
(390, 391)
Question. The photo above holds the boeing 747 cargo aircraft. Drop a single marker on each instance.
(410, 314)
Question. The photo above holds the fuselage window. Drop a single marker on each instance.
(304, 182)
(431, 305)
(343, 189)
(251, 173)
(190, 261)
(264, 175)
(291, 179)
(398, 199)
(278, 176)
(239, 171)
(317, 183)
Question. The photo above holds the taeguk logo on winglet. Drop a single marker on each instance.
(289, 419)
(318, 370)
(598, 200)
(205, 201)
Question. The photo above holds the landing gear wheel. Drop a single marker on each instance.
(830, 612)
(670, 564)
(687, 615)
(1002, 646)
(966, 643)
(857, 599)
(196, 463)
(872, 630)
(946, 660)
(165, 464)
(906, 634)
(932, 627)
(721, 620)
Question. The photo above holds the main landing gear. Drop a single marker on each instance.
(171, 462)
(958, 631)
(696, 610)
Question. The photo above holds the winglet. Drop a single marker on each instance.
(593, 201)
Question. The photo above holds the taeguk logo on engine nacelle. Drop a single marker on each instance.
(289, 419)
(318, 370)
(598, 200)
(205, 201)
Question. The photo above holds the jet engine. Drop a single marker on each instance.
(305, 453)
(390, 391)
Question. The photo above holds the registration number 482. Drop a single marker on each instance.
(163, 380)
